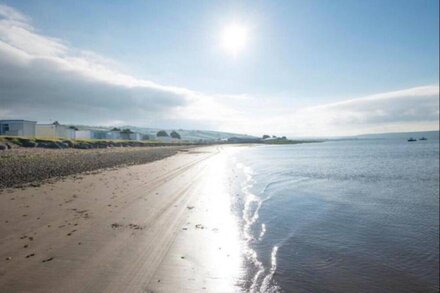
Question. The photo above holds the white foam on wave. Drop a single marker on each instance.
(266, 285)
(263, 231)
(252, 205)
(250, 215)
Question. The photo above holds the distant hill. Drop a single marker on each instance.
(432, 135)
(401, 135)
(190, 135)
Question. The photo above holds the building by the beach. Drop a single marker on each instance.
(55, 130)
(135, 136)
(92, 134)
(114, 134)
(17, 128)
(98, 133)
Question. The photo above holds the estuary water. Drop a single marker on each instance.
(340, 216)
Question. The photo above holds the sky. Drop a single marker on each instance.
(295, 68)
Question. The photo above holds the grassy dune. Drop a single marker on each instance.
(80, 143)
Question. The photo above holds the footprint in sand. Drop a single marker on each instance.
(47, 259)
(71, 232)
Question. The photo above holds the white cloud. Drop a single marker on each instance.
(12, 14)
(45, 78)
(393, 111)
(405, 110)
(42, 78)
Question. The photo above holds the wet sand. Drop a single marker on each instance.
(165, 226)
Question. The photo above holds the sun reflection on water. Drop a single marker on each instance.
(261, 278)
(225, 260)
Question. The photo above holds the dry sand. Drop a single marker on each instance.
(165, 226)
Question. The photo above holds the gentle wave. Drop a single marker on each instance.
(262, 280)
(345, 217)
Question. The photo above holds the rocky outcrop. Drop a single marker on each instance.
(28, 144)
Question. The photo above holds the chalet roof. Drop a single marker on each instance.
(16, 120)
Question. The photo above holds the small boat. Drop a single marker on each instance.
(412, 139)
(423, 138)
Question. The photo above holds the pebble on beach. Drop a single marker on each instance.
(33, 165)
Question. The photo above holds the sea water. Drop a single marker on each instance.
(340, 216)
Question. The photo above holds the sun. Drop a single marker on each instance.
(234, 38)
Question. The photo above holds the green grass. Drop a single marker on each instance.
(19, 140)
(288, 141)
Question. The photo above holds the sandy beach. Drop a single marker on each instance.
(163, 226)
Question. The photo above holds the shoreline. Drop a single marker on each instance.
(164, 226)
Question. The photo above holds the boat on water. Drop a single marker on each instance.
(423, 138)
(412, 139)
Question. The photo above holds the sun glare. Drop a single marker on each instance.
(234, 38)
